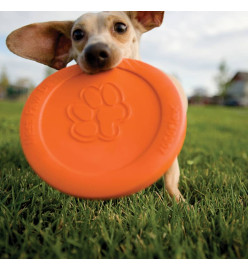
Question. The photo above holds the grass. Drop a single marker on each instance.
(37, 221)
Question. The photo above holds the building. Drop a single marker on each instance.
(237, 91)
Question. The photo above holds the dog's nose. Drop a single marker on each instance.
(97, 55)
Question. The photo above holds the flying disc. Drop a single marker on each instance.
(105, 135)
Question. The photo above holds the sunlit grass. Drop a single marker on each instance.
(37, 221)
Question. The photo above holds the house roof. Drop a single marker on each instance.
(240, 76)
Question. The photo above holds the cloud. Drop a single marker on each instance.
(17, 67)
(192, 44)
(189, 44)
(20, 68)
(11, 20)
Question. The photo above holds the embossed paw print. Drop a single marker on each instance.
(98, 113)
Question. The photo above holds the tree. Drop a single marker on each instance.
(200, 91)
(4, 80)
(222, 79)
(24, 82)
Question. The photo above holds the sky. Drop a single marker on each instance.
(189, 44)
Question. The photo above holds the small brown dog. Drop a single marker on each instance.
(97, 42)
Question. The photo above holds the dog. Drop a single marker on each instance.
(97, 42)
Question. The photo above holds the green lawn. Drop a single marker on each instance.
(37, 221)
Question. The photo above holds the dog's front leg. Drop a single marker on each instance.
(171, 179)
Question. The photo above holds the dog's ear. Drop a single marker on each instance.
(48, 43)
(146, 20)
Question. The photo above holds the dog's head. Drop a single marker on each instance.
(97, 41)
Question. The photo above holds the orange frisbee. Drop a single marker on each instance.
(105, 135)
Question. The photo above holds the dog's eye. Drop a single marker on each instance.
(120, 28)
(78, 34)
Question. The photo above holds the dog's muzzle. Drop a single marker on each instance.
(97, 56)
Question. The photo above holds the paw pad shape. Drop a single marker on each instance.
(98, 114)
